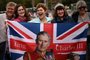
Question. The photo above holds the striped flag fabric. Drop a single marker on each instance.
(65, 38)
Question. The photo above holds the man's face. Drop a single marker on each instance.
(10, 11)
(43, 42)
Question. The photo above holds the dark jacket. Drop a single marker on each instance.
(75, 16)
(65, 20)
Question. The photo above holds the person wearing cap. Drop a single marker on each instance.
(60, 14)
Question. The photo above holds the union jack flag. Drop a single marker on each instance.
(65, 38)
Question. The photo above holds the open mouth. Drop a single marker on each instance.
(40, 14)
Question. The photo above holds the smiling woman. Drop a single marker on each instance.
(41, 13)
(60, 14)
(21, 14)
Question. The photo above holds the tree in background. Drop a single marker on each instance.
(32, 3)
(3, 3)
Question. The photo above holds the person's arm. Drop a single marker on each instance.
(26, 56)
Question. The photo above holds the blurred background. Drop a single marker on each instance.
(30, 4)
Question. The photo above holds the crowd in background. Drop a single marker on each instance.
(18, 12)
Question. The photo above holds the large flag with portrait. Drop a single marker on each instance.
(65, 38)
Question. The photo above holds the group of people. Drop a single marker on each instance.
(18, 12)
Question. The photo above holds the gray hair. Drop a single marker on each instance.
(42, 33)
(80, 3)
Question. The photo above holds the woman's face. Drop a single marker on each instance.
(82, 10)
(60, 13)
(41, 12)
(21, 11)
